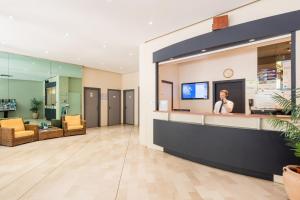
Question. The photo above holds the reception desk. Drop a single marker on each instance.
(240, 143)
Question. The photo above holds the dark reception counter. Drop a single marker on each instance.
(240, 143)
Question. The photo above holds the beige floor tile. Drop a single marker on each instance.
(91, 167)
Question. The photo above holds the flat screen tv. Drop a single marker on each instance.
(197, 90)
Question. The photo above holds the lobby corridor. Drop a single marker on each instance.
(108, 163)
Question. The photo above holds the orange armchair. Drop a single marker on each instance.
(14, 132)
(73, 125)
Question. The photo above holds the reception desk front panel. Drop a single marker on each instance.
(253, 152)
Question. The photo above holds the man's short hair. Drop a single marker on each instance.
(226, 92)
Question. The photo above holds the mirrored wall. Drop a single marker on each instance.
(24, 78)
(273, 73)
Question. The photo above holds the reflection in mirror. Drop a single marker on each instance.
(51, 96)
(6, 104)
(273, 74)
(4, 75)
(274, 66)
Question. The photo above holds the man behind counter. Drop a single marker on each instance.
(224, 105)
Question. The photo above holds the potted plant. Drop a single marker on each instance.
(35, 106)
(291, 131)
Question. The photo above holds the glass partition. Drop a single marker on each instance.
(24, 78)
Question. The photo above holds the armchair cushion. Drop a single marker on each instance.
(73, 120)
(17, 124)
(19, 134)
(75, 127)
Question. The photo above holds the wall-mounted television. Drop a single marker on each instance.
(196, 90)
(8, 104)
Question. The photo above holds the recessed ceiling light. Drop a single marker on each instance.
(66, 34)
(203, 50)
(11, 17)
(104, 45)
(150, 23)
(46, 52)
(252, 40)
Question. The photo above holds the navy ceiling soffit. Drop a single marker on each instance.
(259, 29)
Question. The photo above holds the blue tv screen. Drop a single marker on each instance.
(198, 90)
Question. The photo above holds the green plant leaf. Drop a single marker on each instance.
(289, 128)
(297, 150)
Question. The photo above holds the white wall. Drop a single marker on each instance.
(242, 61)
(110, 80)
(170, 73)
(261, 9)
(131, 81)
(104, 80)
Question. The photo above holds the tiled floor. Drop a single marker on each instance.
(108, 163)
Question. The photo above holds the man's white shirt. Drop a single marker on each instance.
(226, 108)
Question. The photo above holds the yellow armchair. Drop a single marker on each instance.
(73, 125)
(14, 132)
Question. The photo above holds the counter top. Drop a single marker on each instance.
(228, 115)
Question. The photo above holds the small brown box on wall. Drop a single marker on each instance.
(220, 22)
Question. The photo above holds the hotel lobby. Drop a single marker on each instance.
(150, 100)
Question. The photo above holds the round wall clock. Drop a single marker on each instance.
(228, 73)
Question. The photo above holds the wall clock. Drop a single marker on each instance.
(228, 73)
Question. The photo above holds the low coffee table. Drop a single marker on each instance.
(50, 133)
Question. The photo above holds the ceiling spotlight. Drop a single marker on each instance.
(11, 17)
(66, 35)
(150, 22)
(252, 40)
(203, 50)
(104, 46)
(46, 52)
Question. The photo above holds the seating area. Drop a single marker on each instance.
(14, 132)
(73, 125)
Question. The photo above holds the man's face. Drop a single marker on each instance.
(222, 95)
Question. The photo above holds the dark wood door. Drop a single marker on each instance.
(114, 107)
(236, 89)
(92, 106)
(128, 107)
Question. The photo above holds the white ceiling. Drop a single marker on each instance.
(103, 34)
